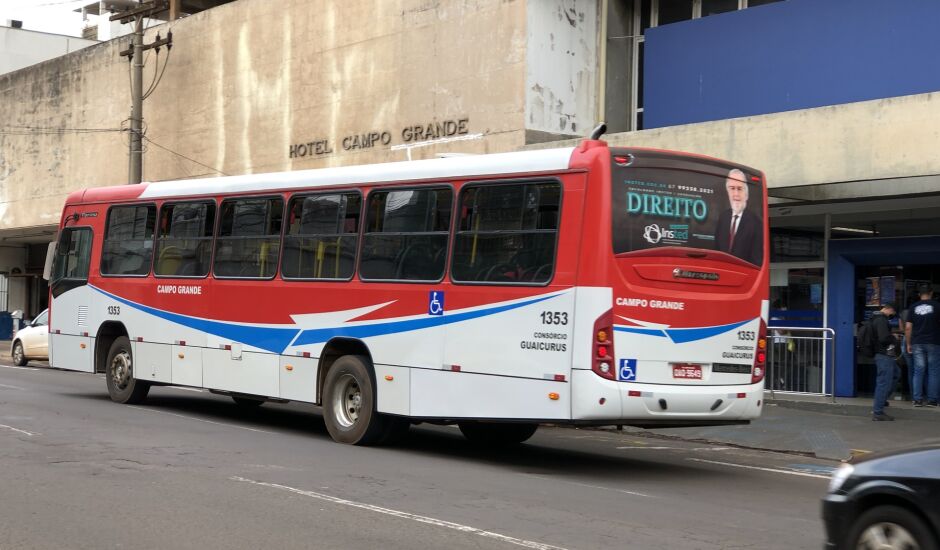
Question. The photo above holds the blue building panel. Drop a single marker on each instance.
(796, 54)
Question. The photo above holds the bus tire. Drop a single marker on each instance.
(349, 403)
(497, 434)
(247, 402)
(119, 373)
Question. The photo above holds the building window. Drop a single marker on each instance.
(754, 3)
(714, 7)
(128, 240)
(249, 238)
(4, 293)
(673, 11)
(322, 236)
(406, 235)
(184, 244)
(507, 233)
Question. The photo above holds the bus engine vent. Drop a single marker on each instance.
(83, 316)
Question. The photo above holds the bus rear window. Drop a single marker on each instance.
(663, 207)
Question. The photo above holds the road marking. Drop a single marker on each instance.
(813, 468)
(18, 430)
(204, 420)
(644, 447)
(774, 470)
(11, 387)
(17, 368)
(579, 484)
(404, 515)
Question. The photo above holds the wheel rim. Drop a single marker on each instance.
(18, 353)
(120, 369)
(887, 536)
(347, 400)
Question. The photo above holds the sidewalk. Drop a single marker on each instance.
(807, 425)
(814, 426)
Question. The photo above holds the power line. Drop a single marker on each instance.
(51, 130)
(167, 149)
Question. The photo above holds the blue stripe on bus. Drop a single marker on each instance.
(276, 340)
(320, 335)
(682, 335)
(270, 339)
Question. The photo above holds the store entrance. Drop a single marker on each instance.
(875, 285)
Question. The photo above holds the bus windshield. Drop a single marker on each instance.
(717, 208)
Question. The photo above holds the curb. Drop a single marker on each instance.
(846, 409)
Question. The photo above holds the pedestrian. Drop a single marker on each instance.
(923, 341)
(886, 352)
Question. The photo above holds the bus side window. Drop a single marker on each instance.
(249, 241)
(128, 240)
(184, 240)
(72, 257)
(507, 233)
(322, 236)
(406, 235)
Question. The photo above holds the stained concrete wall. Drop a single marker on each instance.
(249, 82)
(561, 73)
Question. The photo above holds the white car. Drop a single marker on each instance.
(32, 341)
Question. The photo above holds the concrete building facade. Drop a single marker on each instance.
(255, 86)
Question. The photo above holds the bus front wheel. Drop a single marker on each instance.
(119, 373)
(497, 434)
(349, 403)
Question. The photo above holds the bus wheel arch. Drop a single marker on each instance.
(107, 334)
(335, 349)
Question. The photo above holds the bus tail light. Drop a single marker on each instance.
(760, 355)
(602, 347)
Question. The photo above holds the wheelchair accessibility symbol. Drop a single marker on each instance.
(627, 370)
(436, 303)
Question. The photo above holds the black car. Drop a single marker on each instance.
(888, 500)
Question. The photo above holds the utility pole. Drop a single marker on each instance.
(135, 55)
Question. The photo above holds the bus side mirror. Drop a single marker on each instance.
(50, 256)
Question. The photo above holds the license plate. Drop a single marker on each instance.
(687, 371)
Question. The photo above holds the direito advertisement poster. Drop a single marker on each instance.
(657, 207)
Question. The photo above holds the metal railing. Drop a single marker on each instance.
(799, 358)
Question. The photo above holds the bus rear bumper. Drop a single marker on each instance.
(594, 398)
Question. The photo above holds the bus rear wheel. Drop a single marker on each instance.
(497, 434)
(119, 373)
(349, 403)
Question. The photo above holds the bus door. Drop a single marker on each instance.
(689, 274)
(71, 345)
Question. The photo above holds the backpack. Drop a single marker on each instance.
(865, 340)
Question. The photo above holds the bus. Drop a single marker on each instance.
(590, 285)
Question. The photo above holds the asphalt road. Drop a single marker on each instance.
(188, 469)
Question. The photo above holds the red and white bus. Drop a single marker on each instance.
(588, 285)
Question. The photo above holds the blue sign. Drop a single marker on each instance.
(436, 302)
(627, 371)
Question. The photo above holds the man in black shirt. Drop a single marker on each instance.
(922, 331)
(886, 352)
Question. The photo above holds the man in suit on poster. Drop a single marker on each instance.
(739, 231)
